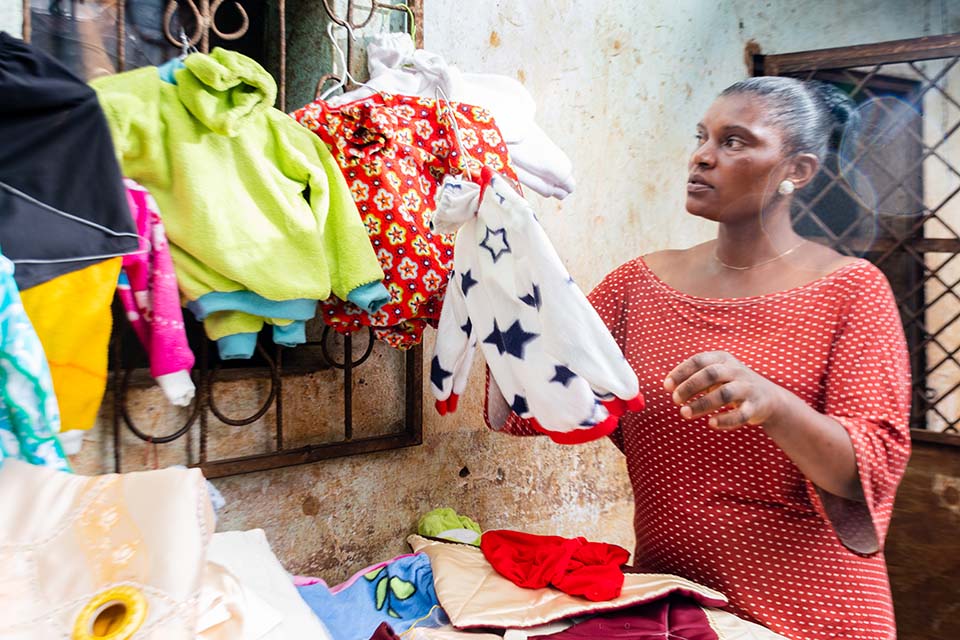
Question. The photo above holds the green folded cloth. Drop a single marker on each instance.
(446, 524)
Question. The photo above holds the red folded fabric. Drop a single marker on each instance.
(573, 565)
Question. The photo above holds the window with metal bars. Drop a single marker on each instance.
(330, 397)
(890, 195)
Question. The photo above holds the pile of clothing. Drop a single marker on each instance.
(135, 554)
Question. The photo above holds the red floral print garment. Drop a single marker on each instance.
(394, 152)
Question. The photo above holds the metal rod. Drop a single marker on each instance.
(279, 401)
(121, 35)
(204, 394)
(895, 51)
(282, 9)
(27, 24)
(348, 387)
(117, 403)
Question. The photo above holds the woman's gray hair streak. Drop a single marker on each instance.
(813, 115)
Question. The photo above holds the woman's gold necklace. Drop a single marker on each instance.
(759, 264)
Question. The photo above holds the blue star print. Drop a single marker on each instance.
(515, 340)
(495, 241)
(562, 375)
(438, 374)
(495, 338)
(519, 405)
(467, 328)
(532, 299)
(467, 282)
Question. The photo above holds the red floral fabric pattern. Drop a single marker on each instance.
(394, 152)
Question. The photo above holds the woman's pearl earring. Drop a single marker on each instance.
(786, 188)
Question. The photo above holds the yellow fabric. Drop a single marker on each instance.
(67, 541)
(72, 317)
(221, 324)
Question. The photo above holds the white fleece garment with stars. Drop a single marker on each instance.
(550, 355)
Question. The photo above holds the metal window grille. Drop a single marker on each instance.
(890, 195)
(292, 439)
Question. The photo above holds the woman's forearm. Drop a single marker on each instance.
(818, 445)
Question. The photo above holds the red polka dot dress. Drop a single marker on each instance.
(729, 509)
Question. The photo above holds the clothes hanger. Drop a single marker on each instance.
(68, 216)
(185, 47)
(466, 158)
(342, 78)
(412, 20)
(346, 75)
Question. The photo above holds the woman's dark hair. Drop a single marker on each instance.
(813, 115)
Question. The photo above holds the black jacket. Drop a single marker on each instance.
(55, 153)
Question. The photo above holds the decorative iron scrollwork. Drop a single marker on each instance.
(205, 21)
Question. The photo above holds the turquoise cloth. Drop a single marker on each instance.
(168, 70)
(290, 335)
(370, 297)
(30, 419)
(254, 304)
(237, 346)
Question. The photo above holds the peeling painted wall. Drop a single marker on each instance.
(620, 85)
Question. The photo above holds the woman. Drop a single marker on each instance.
(777, 383)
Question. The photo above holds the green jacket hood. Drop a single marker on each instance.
(225, 89)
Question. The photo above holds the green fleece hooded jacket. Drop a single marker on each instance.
(251, 200)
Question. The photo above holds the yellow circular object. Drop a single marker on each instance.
(114, 614)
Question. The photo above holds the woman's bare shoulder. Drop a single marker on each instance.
(827, 260)
(669, 260)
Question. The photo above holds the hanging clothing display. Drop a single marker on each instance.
(148, 291)
(260, 220)
(58, 171)
(30, 418)
(72, 317)
(394, 152)
(551, 356)
(396, 66)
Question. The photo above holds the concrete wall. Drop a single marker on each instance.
(620, 85)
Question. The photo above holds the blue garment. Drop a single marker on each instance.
(370, 297)
(290, 335)
(29, 415)
(400, 593)
(169, 68)
(239, 346)
(252, 303)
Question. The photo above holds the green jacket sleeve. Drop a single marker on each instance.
(350, 256)
(131, 104)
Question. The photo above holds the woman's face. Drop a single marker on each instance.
(738, 162)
